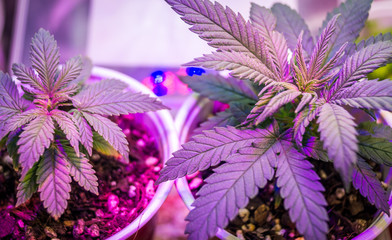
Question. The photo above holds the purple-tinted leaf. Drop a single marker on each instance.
(27, 186)
(103, 147)
(375, 130)
(303, 120)
(301, 190)
(220, 27)
(9, 92)
(330, 64)
(54, 182)
(70, 71)
(291, 24)
(371, 94)
(45, 57)
(230, 188)
(353, 14)
(301, 72)
(320, 52)
(87, 66)
(306, 98)
(85, 131)
(338, 133)
(314, 148)
(365, 180)
(208, 149)
(81, 170)
(277, 102)
(241, 65)
(28, 76)
(109, 131)
(116, 102)
(35, 138)
(361, 63)
(67, 124)
(264, 21)
(378, 150)
(12, 147)
(221, 89)
(18, 120)
(102, 86)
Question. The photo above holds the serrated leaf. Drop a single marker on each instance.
(34, 139)
(365, 180)
(70, 71)
(221, 89)
(361, 63)
(85, 131)
(54, 182)
(28, 185)
(378, 150)
(81, 170)
(301, 190)
(259, 108)
(353, 14)
(109, 131)
(230, 187)
(241, 65)
(338, 133)
(291, 24)
(44, 55)
(9, 92)
(102, 86)
(208, 149)
(370, 94)
(116, 102)
(102, 146)
(27, 76)
(320, 52)
(85, 74)
(67, 124)
(220, 27)
(18, 120)
(265, 22)
(277, 102)
(302, 120)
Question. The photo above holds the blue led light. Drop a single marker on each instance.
(160, 90)
(157, 77)
(194, 71)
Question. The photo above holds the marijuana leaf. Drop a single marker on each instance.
(301, 190)
(371, 94)
(69, 72)
(86, 133)
(206, 150)
(28, 76)
(45, 58)
(54, 182)
(313, 148)
(27, 186)
(221, 89)
(220, 27)
(109, 131)
(377, 149)
(361, 63)
(67, 124)
(291, 24)
(230, 187)
(353, 14)
(303, 119)
(241, 65)
(365, 180)
(34, 139)
(338, 133)
(9, 93)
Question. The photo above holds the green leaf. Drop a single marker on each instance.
(103, 147)
(27, 186)
(378, 150)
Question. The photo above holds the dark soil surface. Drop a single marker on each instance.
(125, 191)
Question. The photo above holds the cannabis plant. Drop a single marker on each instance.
(302, 113)
(52, 128)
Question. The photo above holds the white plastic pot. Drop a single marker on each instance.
(196, 109)
(161, 125)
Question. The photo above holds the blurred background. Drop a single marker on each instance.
(143, 39)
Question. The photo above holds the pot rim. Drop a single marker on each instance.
(165, 126)
(183, 120)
